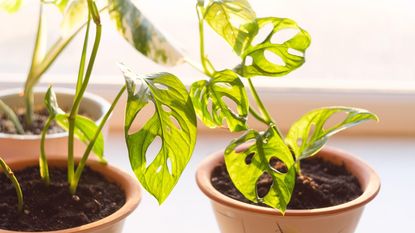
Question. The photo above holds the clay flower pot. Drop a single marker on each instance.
(237, 217)
(13, 146)
(110, 224)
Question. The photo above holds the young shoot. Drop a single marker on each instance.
(9, 174)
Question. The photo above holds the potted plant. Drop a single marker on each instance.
(22, 113)
(62, 201)
(262, 173)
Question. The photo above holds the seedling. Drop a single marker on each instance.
(9, 174)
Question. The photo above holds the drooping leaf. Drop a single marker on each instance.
(173, 122)
(225, 86)
(248, 163)
(10, 6)
(310, 133)
(142, 34)
(285, 54)
(85, 128)
(234, 20)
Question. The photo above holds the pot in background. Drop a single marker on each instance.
(237, 217)
(14, 146)
(111, 224)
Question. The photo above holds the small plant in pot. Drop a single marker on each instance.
(22, 113)
(265, 181)
(82, 195)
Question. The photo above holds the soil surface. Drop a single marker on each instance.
(53, 208)
(322, 184)
(39, 120)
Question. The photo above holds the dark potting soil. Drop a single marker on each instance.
(39, 120)
(53, 207)
(322, 184)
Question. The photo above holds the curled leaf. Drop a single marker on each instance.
(174, 122)
(225, 86)
(274, 56)
(142, 34)
(233, 20)
(310, 133)
(85, 128)
(251, 156)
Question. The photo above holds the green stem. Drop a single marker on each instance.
(206, 64)
(36, 57)
(83, 58)
(9, 173)
(11, 115)
(257, 115)
(43, 162)
(82, 163)
(81, 91)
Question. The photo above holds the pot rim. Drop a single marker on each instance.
(370, 184)
(128, 183)
(104, 105)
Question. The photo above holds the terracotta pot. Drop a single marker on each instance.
(14, 146)
(110, 224)
(237, 217)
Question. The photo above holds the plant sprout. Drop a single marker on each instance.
(9, 174)
(127, 18)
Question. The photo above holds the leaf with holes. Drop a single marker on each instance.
(174, 122)
(85, 128)
(309, 134)
(250, 156)
(233, 20)
(225, 85)
(142, 34)
(10, 6)
(274, 57)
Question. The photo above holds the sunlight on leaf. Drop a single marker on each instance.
(224, 84)
(261, 148)
(272, 58)
(310, 133)
(173, 122)
(233, 20)
(142, 34)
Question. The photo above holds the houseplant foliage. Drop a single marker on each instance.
(127, 19)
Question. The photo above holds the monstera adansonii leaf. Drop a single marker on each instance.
(275, 56)
(173, 122)
(209, 99)
(248, 157)
(310, 133)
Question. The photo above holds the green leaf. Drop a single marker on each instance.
(61, 4)
(290, 52)
(10, 6)
(142, 34)
(309, 134)
(85, 128)
(174, 122)
(224, 85)
(250, 156)
(234, 20)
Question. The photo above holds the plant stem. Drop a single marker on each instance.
(9, 173)
(207, 66)
(80, 94)
(267, 119)
(83, 58)
(82, 163)
(43, 162)
(36, 58)
(12, 116)
(257, 115)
